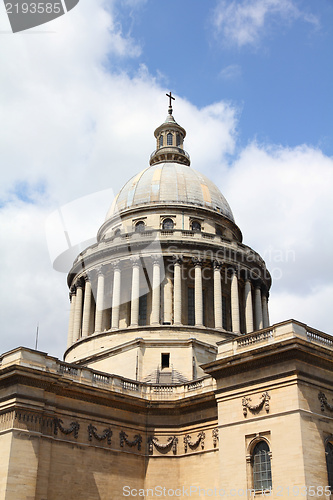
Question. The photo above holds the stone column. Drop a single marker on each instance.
(248, 307)
(86, 308)
(167, 297)
(258, 308)
(198, 310)
(235, 303)
(217, 294)
(78, 311)
(72, 298)
(99, 301)
(135, 294)
(265, 314)
(116, 296)
(156, 291)
(177, 291)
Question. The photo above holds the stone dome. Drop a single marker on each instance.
(173, 184)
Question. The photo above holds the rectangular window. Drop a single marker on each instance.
(143, 310)
(190, 307)
(224, 312)
(165, 360)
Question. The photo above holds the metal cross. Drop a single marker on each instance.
(170, 97)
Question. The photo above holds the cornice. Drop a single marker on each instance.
(273, 353)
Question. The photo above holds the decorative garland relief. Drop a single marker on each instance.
(323, 402)
(264, 402)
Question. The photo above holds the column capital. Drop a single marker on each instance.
(217, 264)
(72, 290)
(135, 260)
(116, 265)
(79, 282)
(177, 259)
(197, 262)
(157, 259)
(232, 270)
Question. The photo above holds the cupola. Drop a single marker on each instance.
(170, 141)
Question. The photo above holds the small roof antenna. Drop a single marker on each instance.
(37, 330)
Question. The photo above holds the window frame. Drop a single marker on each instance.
(140, 224)
(168, 228)
(199, 224)
(329, 442)
(256, 486)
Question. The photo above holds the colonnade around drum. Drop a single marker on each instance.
(96, 296)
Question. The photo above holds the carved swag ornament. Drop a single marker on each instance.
(124, 439)
(106, 434)
(324, 403)
(74, 427)
(200, 438)
(171, 443)
(264, 402)
(215, 434)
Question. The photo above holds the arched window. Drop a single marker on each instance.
(329, 463)
(261, 463)
(139, 226)
(117, 232)
(196, 226)
(161, 141)
(168, 224)
(169, 139)
(218, 231)
(178, 140)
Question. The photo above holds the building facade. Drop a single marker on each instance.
(173, 382)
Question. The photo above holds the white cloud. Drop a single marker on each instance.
(231, 72)
(76, 125)
(244, 22)
(281, 199)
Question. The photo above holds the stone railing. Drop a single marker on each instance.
(42, 362)
(275, 333)
(246, 340)
(319, 337)
(234, 250)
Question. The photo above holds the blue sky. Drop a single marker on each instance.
(280, 80)
(81, 96)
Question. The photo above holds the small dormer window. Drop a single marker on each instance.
(169, 139)
(196, 226)
(178, 140)
(161, 141)
(140, 227)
